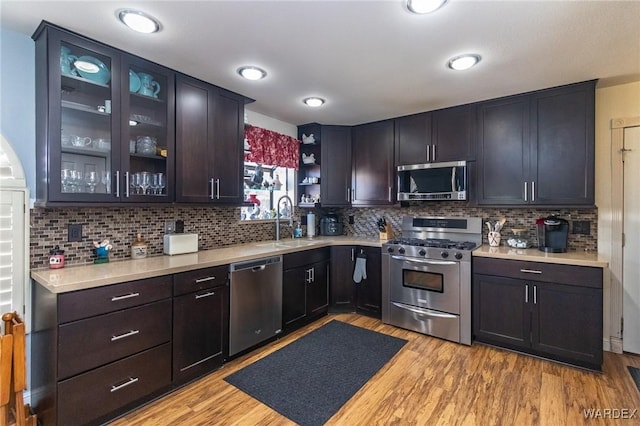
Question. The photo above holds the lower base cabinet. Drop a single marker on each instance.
(549, 310)
(305, 287)
(200, 322)
(364, 297)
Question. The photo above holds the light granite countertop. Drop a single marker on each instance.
(82, 277)
(577, 258)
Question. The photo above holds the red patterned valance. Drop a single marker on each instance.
(271, 148)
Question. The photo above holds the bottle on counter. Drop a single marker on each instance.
(139, 248)
(297, 231)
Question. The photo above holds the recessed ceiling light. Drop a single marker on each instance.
(463, 62)
(424, 6)
(313, 101)
(252, 73)
(139, 21)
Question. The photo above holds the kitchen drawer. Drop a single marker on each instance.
(584, 276)
(90, 343)
(91, 396)
(101, 300)
(307, 257)
(188, 282)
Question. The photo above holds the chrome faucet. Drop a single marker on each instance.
(286, 197)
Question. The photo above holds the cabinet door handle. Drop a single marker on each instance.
(202, 280)
(126, 184)
(526, 293)
(313, 275)
(217, 189)
(433, 148)
(348, 194)
(535, 294)
(131, 381)
(531, 271)
(525, 191)
(124, 296)
(211, 189)
(353, 254)
(122, 336)
(533, 190)
(200, 296)
(117, 183)
(428, 153)
(390, 194)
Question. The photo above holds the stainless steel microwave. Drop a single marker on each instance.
(433, 181)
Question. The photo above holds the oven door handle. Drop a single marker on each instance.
(428, 262)
(420, 311)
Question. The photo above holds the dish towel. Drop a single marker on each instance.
(360, 271)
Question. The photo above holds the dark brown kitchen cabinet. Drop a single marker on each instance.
(310, 173)
(346, 295)
(200, 322)
(538, 148)
(104, 123)
(373, 172)
(209, 143)
(96, 353)
(412, 139)
(453, 134)
(335, 185)
(305, 287)
(549, 310)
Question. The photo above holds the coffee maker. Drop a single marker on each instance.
(331, 224)
(553, 234)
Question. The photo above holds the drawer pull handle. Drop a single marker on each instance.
(122, 336)
(131, 381)
(124, 296)
(200, 296)
(202, 280)
(530, 271)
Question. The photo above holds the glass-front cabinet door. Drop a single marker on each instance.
(147, 130)
(104, 123)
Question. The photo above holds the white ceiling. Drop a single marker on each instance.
(371, 60)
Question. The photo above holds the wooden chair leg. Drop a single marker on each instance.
(6, 355)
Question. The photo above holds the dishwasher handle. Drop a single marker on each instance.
(255, 265)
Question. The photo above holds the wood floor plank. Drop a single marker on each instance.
(428, 382)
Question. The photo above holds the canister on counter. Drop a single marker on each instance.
(56, 258)
(139, 248)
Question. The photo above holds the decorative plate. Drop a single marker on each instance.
(102, 76)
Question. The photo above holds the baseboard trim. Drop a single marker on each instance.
(615, 345)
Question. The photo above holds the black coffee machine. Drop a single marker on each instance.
(331, 224)
(553, 234)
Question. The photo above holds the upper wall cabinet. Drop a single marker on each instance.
(372, 174)
(104, 123)
(538, 149)
(336, 166)
(438, 136)
(209, 143)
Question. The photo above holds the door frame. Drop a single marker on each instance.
(618, 126)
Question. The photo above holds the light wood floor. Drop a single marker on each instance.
(430, 381)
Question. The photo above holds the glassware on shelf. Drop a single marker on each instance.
(66, 179)
(146, 145)
(91, 179)
(144, 182)
(133, 183)
(157, 183)
(106, 181)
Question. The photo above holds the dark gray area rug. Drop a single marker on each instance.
(310, 379)
(635, 374)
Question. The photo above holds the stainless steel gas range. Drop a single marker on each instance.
(426, 276)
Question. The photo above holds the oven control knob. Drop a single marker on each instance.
(458, 255)
(444, 254)
(401, 250)
(390, 249)
(422, 252)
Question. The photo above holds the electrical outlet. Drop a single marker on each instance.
(169, 226)
(351, 220)
(75, 232)
(581, 227)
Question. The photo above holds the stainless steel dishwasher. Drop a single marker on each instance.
(255, 309)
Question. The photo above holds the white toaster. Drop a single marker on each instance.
(180, 243)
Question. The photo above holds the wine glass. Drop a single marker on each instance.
(161, 182)
(106, 181)
(133, 183)
(66, 179)
(76, 181)
(144, 182)
(91, 178)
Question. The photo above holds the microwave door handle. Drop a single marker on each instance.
(453, 179)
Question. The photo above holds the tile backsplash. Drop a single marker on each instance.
(219, 226)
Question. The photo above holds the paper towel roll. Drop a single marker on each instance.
(311, 225)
